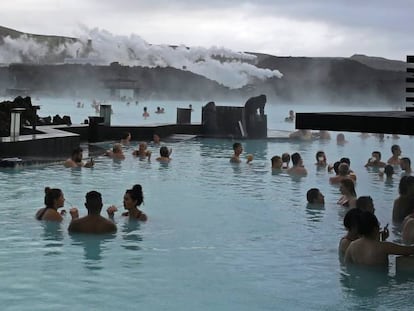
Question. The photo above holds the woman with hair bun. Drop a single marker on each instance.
(133, 198)
(54, 200)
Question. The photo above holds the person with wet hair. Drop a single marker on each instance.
(388, 172)
(349, 196)
(375, 160)
(164, 155)
(285, 160)
(126, 138)
(351, 225)
(116, 152)
(368, 250)
(314, 196)
(142, 151)
(297, 165)
(395, 158)
(343, 173)
(145, 114)
(405, 164)
(133, 199)
(93, 223)
(320, 159)
(404, 204)
(76, 159)
(54, 200)
(276, 163)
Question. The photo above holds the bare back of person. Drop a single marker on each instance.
(48, 214)
(94, 224)
(366, 252)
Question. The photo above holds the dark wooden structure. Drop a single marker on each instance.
(392, 122)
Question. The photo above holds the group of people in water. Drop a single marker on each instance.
(365, 242)
(93, 222)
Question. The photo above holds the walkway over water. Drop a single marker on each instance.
(388, 122)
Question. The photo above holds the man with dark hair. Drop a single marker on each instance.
(238, 149)
(375, 160)
(93, 222)
(314, 196)
(368, 250)
(76, 159)
(297, 165)
(405, 164)
(395, 158)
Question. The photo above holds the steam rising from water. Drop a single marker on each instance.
(232, 69)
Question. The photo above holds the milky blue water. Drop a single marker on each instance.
(219, 236)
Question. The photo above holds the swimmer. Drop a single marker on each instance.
(388, 171)
(365, 203)
(351, 225)
(92, 223)
(238, 149)
(314, 196)
(156, 140)
(340, 139)
(368, 250)
(76, 159)
(405, 164)
(145, 114)
(297, 166)
(324, 135)
(349, 196)
(395, 158)
(126, 138)
(142, 151)
(133, 198)
(276, 163)
(343, 173)
(54, 200)
(301, 135)
(285, 160)
(116, 152)
(164, 155)
(320, 159)
(290, 117)
(375, 160)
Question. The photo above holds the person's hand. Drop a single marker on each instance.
(63, 212)
(74, 213)
(111, 210)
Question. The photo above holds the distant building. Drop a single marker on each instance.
(123, 89)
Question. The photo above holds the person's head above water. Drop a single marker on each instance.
(54, 198)
(133, 197)
(93, 202)
(351, 219)
(368, 224)
(365, 203)
(314, 196)
(238, 148)
(276, 162)
(296, 159)
(164, 152)
(77, 155)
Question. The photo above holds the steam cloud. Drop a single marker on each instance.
(227, 67)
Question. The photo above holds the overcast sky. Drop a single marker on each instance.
(279, 27)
